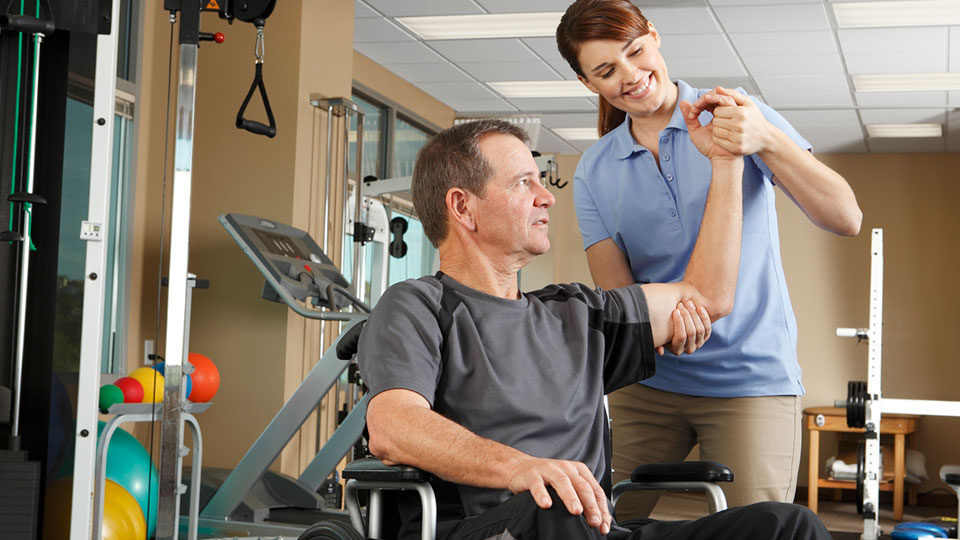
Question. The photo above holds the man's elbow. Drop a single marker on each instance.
(850, 226)
(721, 307)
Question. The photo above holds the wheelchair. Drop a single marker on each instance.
(374, 477)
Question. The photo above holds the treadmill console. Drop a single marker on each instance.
(288, 258)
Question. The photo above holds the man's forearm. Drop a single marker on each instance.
(436, 444)
(820, 192)
(715, 261)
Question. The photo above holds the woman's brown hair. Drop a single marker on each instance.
(587, 20)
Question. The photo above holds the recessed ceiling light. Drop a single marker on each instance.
(495, 25)
(904, 130)
(578, 134)
(906, 82)
(900, 13)
(541, 89)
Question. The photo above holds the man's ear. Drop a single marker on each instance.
(588, 84)
(460, 208)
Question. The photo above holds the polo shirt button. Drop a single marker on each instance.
(666, 158)
(669, 177)
(663, 139)
(673, 213)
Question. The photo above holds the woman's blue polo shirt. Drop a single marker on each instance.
(654, 213)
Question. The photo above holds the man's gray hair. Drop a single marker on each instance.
(452, 159)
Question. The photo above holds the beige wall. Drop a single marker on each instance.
(913, 197)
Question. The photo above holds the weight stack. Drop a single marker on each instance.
(19, 495)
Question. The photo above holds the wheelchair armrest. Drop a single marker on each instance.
(374, 470)
(682, 471)
(950, 474)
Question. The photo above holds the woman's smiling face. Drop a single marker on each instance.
(630, 75)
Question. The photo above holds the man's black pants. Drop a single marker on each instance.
(519, 518)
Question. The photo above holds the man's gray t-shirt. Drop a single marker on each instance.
(528, 373)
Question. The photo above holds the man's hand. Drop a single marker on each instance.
(574, 483)
(704, 136)
(740, 129)
(691, 329)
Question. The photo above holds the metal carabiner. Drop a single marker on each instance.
(259, 49)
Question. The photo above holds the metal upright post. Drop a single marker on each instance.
(871, 482)
(94, 230)
(171, 424)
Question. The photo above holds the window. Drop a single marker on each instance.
(391, 140)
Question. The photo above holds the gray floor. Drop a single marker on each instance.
(839, 517)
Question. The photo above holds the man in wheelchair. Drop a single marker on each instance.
(498, 392)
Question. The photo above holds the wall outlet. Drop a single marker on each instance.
(148, 350)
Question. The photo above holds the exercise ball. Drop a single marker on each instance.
(131, 388)
(109, 394)
(129, 465)
(206, 378)
(152, 382)
(160, 367)
(122, 517)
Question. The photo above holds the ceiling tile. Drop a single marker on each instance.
(841, 145)
(479, 105)
(393, 8)
(896, 146)
(417, 73)
(816, 91)
(953, 99)
(379, 29)
(840, 131)
(361, 10)
(483, 50)
(705, 66)
(782, 18)
(774, 43)
(510, 71)
(695, 45)
(928, 62)
(569, 120)
(405, 52)
(546, 47)
(892, 40)
(582, 146)
(760, 2)
(954, 49)
(796, 65)
(671, 21)
(901, 99)
(458, 90)
(526, 6)
(564, 68)
(826, 117)
(552, 104)
(903, 116)
(548, 143)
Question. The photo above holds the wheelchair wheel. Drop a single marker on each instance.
(330, 530)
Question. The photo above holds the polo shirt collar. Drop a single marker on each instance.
(623, 144)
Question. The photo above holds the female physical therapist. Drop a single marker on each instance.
(640, 194)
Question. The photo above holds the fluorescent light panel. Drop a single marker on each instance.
(904, 130)
(495, 25)
(577, 134)
(899, 13)
(540, 89)
(907, 82)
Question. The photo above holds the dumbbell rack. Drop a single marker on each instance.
(864, 404)
(123, 413)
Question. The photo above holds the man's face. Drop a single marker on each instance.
(512, 216)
